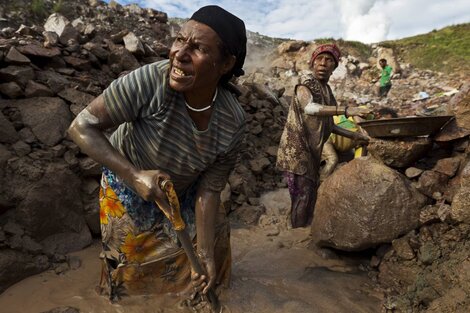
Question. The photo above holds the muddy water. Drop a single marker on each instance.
(273, 271)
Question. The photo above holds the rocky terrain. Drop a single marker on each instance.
(405, 206)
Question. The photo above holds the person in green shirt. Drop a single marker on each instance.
(385, 78)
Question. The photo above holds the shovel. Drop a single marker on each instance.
(174, 216)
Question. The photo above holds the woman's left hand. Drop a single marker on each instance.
(202, 283)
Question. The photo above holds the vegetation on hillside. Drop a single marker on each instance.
(446, 50)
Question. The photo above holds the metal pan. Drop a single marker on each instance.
(405, 126)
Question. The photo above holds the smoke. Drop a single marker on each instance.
(364, 20)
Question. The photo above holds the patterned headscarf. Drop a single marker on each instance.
(331, 48)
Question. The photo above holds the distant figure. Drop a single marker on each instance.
(385, 78)
(302, 141)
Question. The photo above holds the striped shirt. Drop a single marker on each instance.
(156, 131)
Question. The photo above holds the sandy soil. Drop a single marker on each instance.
(273, 271)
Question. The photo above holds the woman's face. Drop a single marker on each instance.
(323, 66)
(196, 59)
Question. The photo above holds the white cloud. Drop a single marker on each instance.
(362, 20)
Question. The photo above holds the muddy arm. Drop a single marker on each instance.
(207, 204)
(358, 137)
(86, 131)
(328, 110)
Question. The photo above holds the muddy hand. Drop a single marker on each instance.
(203, 283)
(358, 111)
(146, 184)
(361, 140)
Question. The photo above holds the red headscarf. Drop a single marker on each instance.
(331, 48)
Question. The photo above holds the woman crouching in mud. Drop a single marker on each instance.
(308, 126)
(177, 121)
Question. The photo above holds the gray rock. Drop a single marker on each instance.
(12, 90)
(460, 210)
(403, 249)
(447, 166)
(78, 99)
(122, 60)
(248, 214)
(428, 253)
(372, 203)
(78, 63)
(413, 172)
(399, 153)
(431, 182)
(53, 80)
(259, 164)
(27, 135)
(8, 133)
(34, 89)
(97, 50)
(38, 51)
(54, 217)
(21, 148)
(48, 118)
(133, 44)
(31, 245)
(51, 39)
(15, 265)
(89, 167)
(13, 228)
(461, 102)
(15, 57)
(18, 74)
(62, 27)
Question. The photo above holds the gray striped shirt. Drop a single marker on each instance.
(156, 131)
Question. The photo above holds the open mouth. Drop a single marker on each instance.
(179, 72)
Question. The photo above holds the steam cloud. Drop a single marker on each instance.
(364, 20)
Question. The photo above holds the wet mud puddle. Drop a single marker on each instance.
(274, 270)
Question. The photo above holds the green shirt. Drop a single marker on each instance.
(156, 131)
(385, 76)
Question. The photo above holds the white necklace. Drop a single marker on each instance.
(204, 108)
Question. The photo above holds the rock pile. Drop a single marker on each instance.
(49, 73)
(48, 188)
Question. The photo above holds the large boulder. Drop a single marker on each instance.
(461, 103)
(460, 209)
(363, 204)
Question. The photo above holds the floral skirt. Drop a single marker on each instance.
(140, 251)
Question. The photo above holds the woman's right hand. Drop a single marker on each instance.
(146, 184)
(358, 111)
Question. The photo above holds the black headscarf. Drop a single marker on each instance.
(231, 31)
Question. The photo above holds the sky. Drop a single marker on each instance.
(367, 21)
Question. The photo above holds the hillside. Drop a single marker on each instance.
(446, 50)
